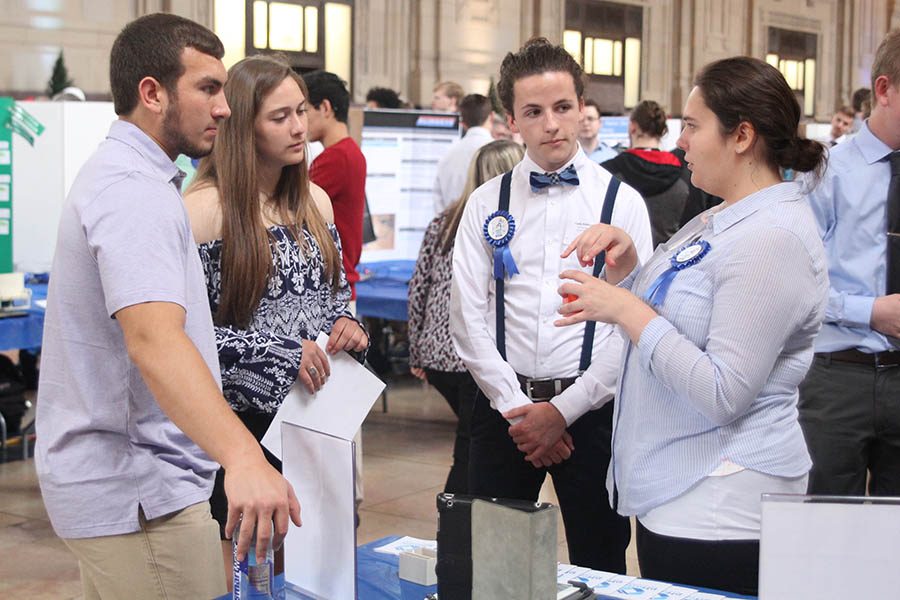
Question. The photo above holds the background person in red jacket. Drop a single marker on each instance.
(341, 168)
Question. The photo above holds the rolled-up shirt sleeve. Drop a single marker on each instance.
(843, 308)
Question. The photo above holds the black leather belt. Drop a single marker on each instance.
(544, 389)
(870, 359)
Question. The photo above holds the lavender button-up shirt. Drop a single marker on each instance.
(104, 446)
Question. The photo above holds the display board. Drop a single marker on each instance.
(614, 131)
(6, 262)
(16, 122)
(402, 150)
(44, 172)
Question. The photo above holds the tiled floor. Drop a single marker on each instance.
(406, 458)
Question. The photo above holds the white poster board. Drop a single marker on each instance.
(320, 556)
(827, 547)
(402, 150)
(43, 173)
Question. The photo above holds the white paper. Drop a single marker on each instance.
(406, 544)
(566, 572)
(601, 583)
(639, 589)
(338, 409)
(675, 593)
(705, 596)
(320, 556)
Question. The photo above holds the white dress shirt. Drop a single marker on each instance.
(546, 222)
(453, 168)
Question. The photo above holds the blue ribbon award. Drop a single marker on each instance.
(499, 229)
(687, 256)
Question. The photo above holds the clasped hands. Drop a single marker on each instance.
(540, 432)
(314, 368)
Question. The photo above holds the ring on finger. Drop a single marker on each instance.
(313, 372)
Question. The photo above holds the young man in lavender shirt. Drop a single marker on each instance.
(131, 420)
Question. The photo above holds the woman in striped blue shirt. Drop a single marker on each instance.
(721, 322)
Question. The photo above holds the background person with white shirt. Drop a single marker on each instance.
(475, 114)
(538, 384)
(721, 323)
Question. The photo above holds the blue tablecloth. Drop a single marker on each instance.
(377, 578)
(384, 289)
(25, 332)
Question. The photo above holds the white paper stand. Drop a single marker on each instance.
(312, 435)
(320, 556)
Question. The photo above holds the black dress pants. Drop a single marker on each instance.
(596, 535)
(850, 415)
(727, 565)
(459, 390)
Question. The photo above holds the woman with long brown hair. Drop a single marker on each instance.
(270, 251)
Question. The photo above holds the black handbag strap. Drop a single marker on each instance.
(609, 203)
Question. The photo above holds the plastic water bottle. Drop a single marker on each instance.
(254, 577)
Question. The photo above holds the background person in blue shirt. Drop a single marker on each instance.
(706, 417)
(850, 401)
(589, 134)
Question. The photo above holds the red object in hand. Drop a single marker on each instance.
(569, 298)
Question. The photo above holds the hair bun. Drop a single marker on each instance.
(800, 154)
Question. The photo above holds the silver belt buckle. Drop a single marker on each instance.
(529, 391)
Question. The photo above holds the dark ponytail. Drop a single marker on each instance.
(744, 89)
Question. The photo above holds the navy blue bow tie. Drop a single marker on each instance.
(540, 181)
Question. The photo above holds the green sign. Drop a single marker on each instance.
(13, 119)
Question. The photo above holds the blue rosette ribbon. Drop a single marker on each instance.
(499, 228)
(687, 256)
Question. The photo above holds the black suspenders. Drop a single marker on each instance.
(605, 216)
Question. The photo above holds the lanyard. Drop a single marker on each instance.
(609, 203)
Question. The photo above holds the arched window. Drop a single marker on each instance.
(313, 34)
(605, 38)
(794, 54)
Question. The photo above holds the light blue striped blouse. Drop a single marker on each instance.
(715, 376)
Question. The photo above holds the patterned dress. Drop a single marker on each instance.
(261, 363)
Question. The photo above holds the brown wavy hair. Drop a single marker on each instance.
(537, 56)
(231, 168)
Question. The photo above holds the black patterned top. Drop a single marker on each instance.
(260, 364)
(430, 345)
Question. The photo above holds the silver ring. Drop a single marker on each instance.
(313, 372)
